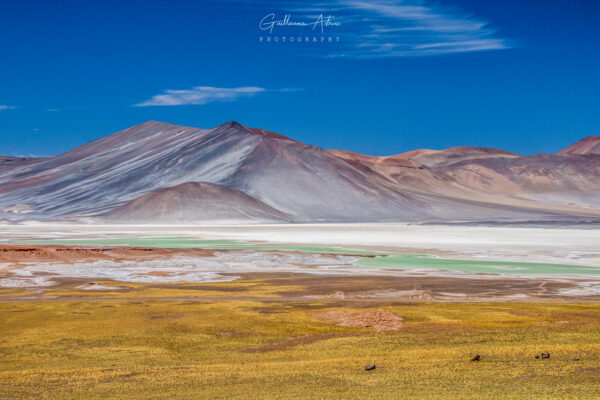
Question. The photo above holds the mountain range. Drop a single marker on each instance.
(163, 173)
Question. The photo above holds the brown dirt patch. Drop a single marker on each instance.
(51, 253)
(411, 288)
(380, 320)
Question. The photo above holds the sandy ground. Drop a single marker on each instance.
(49, 265)
(37, 266)
(556, 245)
(43, 267)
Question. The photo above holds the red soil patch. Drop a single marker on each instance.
(380, 320)
(50, 253)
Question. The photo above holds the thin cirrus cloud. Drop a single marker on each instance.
(200, 95)
(410, 28)
(396, 28)
(5, 107)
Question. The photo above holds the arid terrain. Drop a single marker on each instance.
(393, 262)
(44, 272)
(158, 172)
(300, 200)
(351, 310)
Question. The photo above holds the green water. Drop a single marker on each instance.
(382, 260)
(494, 267)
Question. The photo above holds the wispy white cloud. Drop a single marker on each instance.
(397, 28)
(417, 28)
(199, 95)
(5, 107)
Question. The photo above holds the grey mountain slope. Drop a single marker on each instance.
(303, 182)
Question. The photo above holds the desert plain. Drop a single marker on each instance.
(101, 311)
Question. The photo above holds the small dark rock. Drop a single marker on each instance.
(537, 356)
(476, 358)
(545, 355)
(369, 367)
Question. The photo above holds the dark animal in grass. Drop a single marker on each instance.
(476, 358)
(369, 367)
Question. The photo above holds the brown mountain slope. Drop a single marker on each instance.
(454, 154)
(588, 145)
(545, 182)
(386, 161)
(195, 202)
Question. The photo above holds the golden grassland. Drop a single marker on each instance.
(254, 288)
(181, 349)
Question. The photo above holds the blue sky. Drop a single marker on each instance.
(522, 76)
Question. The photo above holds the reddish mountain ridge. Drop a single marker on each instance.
(588, 145)
(160, 172)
